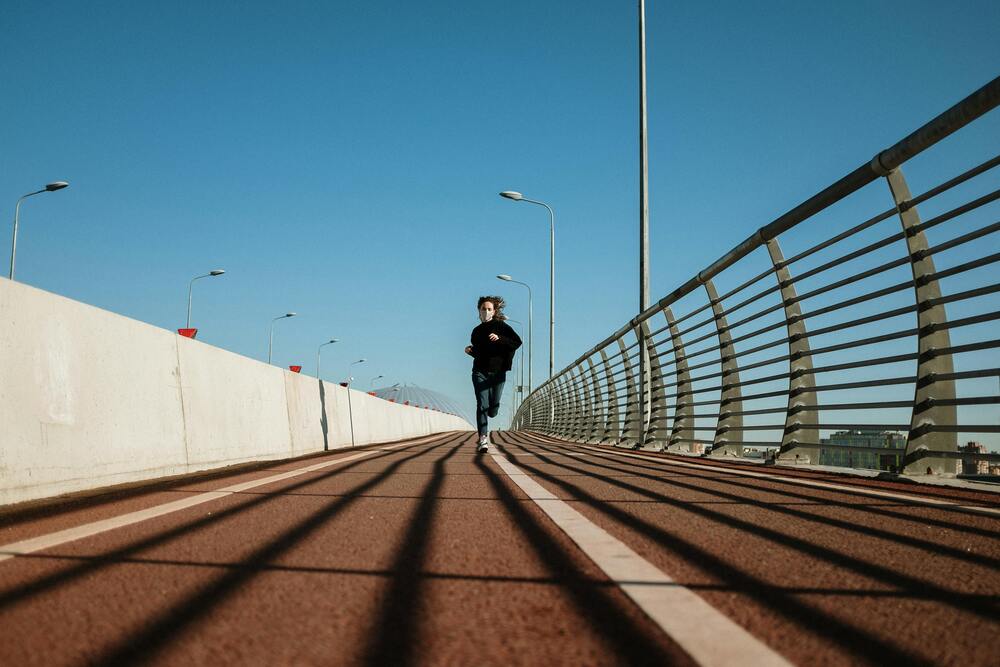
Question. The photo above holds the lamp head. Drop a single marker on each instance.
(504, 276)
(56, 185)
(216, 272)
(290, 314)
(334, 340)
(510, 194)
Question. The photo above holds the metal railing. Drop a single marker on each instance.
(848, 336)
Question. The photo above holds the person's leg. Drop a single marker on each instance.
(480, 384)
(496, 391)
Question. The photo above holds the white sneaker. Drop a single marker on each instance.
(484, 443)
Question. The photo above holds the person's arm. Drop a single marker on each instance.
(509, 337)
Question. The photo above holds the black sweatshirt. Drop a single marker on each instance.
(493, 356)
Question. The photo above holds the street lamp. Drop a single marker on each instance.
(350, 410)
(520, 382)
(504, 276)
(517, 196)
(371, 384)
(51, 187)
(270, 338)
(320, 349)
(210, 274)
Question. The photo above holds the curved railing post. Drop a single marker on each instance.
(682, 432)
(657, 433)
(583, 414)
(555, 413)
(632, 428)
(796, 441)
(931, 338)
(553, 407)
(541, 416)
(545, 413)
(558, 409)
(728, 425)
(612, 427)
(570, 414)
(597, 420)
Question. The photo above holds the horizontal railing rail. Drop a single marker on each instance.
(841, 354)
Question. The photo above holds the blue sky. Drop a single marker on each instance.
(342, 160)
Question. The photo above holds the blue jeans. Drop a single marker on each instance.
(489, 387)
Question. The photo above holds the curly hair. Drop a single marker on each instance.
(498, 306)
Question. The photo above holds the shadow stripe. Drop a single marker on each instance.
(851, 638)
(910, 541)
(392, 639)
(154, 636)
(25, 591)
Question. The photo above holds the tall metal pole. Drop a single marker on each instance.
(643, 168)
(319, 350)
(520, 373)
(531, 346)
(13, 243)
(190, 292)
(643, 214)
(552, 283)
(210, 274)
(270, 336)
(51, 187)
(552, 289)
(517, 196)
(530, 310)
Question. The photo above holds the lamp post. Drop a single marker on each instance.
(517, 196)
(51, 187)
(210, 274)
(350, 410)
(643, 227)
(270, 338)
(320, 349)
(520, 382)
(504, 276)
(371, 385)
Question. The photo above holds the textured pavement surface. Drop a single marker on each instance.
(429, 554)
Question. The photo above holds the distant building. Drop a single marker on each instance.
(971, 466)
(862, 438)
(697, 447)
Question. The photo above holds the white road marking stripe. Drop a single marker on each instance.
(808, 482)
(87, 530)
(687, 619)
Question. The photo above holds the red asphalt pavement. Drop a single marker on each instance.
(429, 554)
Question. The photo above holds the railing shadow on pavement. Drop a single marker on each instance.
(205, 599)
(771, 591)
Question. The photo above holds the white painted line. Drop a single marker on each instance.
(87, 530)
(708, 636)
(813, 483)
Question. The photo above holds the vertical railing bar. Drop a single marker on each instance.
(728, 425)
(930, 364)
(801, 382)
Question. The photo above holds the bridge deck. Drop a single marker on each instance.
(424, 552)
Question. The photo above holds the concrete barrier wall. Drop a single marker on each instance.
(90, 399)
